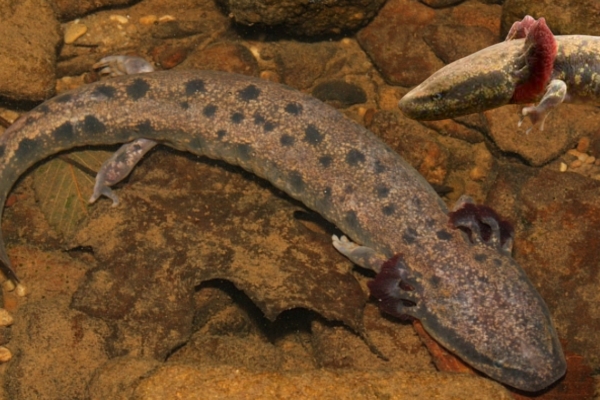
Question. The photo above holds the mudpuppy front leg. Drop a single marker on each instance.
(554, 96)
(116, 168)
(397, 294)
(363, 256)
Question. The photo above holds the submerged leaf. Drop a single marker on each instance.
(63, 185)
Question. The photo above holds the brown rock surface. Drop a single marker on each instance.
(193, 382)
(29, 37)
(408, 41)
(564, 17)
(558, 219)
(71, 9)
(538, 147)
(299, 17)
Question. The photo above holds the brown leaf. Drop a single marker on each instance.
(62, 189)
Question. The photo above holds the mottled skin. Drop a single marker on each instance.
(470, 296)
(488, 79)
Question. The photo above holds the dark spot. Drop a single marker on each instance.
(312, 135)
(497, 262)
(349, 189)
(287, 140)
(184, 104)
(435, 281)
(269, 126)
(354, 157)
(258, 119)
(325, 161)
(194, 86)
(105, 90)
(221, 133)
(327, 192)
(26, 146)
(293, 108)
(388, 210)
(379, 167)
(145, 128)
(42, 109)
(138, 89)
(417, 202)
(251, 92)
(64, 133)
(296, 181)
(63, 98)
(430, 222)
(237, 117)
(480, 258)
(443, 235)
(209, 110)
(410, 235)
(93, 126)
(382, 191)
(2, 150)
(351, 219)
(244, 151)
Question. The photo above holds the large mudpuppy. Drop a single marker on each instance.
(454, 273)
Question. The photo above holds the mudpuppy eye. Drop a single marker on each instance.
(438, 96)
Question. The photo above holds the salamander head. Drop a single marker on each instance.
(476, 301)
(511, 339)
(479, 82)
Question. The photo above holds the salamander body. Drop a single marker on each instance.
(466, 289)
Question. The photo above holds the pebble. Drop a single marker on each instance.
(584, 144)
(573, 152)
(5, 318)
(166, 18)
(8, 285)
(74, 32)
(119, 18)
(563, 167)
(575, 164)
(148, 19)
(21, 290)
(5, 354)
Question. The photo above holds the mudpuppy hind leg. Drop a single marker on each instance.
(116, 168)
